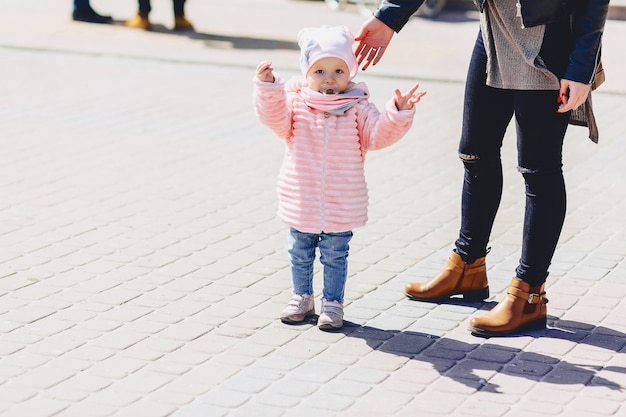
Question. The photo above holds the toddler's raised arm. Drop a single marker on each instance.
(406, 101)
(265, 72)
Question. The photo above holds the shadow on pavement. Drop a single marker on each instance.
(465, 362)
(229, 42)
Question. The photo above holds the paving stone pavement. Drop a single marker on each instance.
(142, 265)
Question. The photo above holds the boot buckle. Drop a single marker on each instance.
(534, 298)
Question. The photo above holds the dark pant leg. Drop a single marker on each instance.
(486, 114)
(144, 8)
(80, 5)
(540, 133)
(179, 8)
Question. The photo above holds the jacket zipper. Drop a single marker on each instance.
(323, 180)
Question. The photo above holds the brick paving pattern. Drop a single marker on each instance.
(142, 265)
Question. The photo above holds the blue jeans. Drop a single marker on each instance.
(333, 255)
(540, 132)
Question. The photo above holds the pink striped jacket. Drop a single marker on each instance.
(321, 184)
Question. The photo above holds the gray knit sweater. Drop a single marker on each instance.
(513, 60)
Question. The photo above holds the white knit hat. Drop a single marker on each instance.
(325, 42)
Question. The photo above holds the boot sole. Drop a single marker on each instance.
(476, 295)
(538, 324)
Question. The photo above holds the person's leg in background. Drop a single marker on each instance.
(141, 19)
(180, 20)
(83, 12)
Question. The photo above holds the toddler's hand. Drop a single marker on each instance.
(264, 72)
(407, 101)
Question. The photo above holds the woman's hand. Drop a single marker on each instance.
(373, 40)
(572, 95)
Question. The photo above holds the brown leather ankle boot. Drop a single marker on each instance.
(523, 308)
(458, 277)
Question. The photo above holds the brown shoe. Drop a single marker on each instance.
(523, 308)
(181, 23)
(138, 22)
(458, 277)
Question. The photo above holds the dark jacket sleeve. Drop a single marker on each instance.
(395, 13)
(587, 28)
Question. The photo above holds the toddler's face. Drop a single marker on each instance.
(329, 76)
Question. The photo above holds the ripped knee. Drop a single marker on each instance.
(524, 171)
(468, 157)
(544, 171)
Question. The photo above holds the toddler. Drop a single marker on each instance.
(328, 125)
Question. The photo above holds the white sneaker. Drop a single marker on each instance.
(299, 307)
(331, 317)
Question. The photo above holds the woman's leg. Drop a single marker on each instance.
(487, 113)
(540, 131)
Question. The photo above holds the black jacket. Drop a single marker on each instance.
(585, 24)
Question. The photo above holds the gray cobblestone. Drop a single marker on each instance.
(143, 266)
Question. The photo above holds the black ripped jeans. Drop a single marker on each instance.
(540, 132)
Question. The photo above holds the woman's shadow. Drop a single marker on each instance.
(465, 362)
